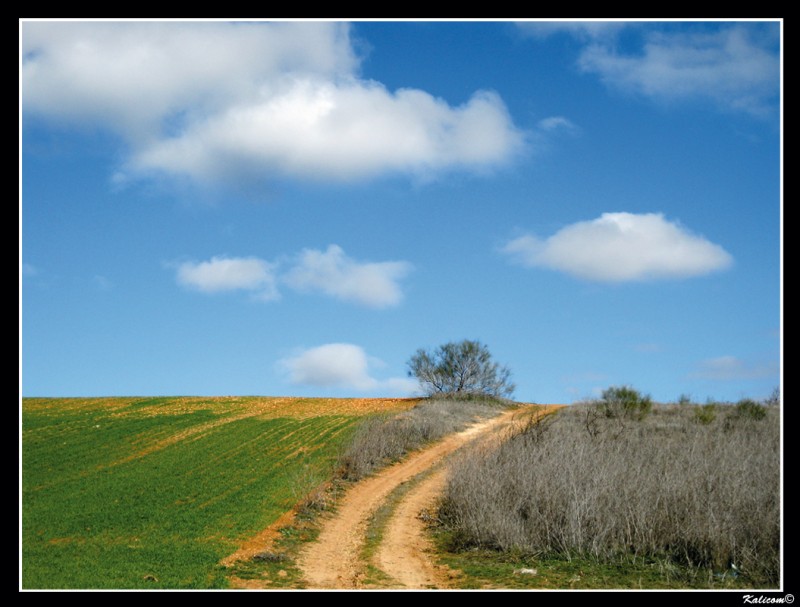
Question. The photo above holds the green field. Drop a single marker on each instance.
(152, 493)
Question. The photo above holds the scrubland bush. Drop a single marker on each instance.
(705, 414)
(749, 409)
(700, 494)
(625, 403)
(386, 439)
(614, 410)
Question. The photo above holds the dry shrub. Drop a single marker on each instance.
(383, 440)
(703, 494)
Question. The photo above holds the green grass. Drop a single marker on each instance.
(278, 569)
(486, 569)
(153, 493)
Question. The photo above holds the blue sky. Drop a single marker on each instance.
(291, 208)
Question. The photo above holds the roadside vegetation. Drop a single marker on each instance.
(689, 492)
(386, 439)
(463, 384)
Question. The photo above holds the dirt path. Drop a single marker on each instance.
(334, 561)
(405, 550)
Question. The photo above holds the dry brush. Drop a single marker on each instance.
(701, 492)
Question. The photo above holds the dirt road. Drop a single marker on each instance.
(334, 560)
(405, 551)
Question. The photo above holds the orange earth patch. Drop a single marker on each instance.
(236, 406)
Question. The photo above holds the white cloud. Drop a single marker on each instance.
(735, 66)
(222, 100)
(725, 368)
(404, 386)
(134, 76)
(333, 273)
(319, 129)
(730, 67)
(221, 274)
(558, 124)
(621, 247)
(340, 365)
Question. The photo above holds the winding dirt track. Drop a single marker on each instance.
(334, 560)
(405, 551)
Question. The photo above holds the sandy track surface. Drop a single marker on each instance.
(334, 560)
(405, 551)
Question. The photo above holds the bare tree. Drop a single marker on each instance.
(461, 368)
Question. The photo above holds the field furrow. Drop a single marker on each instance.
(153, 493)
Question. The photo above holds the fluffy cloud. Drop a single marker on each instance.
(735, 66)
(726, 368)
(323, 130)
(340, 365)
(220, 100)
(331, 272)
(134, 76)
(728, 67)
(621, 247)
(230, 274)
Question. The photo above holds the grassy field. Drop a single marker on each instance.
(135, 493)
(152, 493)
